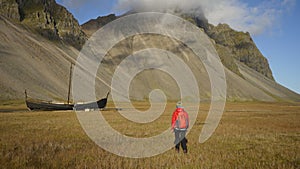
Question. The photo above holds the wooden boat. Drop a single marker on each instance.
(47, 106)
(100, 104)
(34, 104)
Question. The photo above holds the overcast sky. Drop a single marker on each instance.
(273, 24)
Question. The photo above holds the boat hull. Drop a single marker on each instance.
(100, 104)
(32, 105)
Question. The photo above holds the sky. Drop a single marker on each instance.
(273, 24)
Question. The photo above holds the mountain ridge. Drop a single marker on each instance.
(41, 64)
(230, 44)
(46, 17)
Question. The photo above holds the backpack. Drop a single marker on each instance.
(182, 121)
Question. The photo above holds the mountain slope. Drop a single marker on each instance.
(37, 57)
(32, 62)
(267, 85)
(249, 86)
(234, 48)
(231, 45)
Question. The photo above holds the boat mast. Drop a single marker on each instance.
(70, 80)
(25, 94)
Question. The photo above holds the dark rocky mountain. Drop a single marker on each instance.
(232, 46)
(94, 24)
(46, 17)
(240, 47)
(39, 39)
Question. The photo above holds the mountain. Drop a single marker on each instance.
(248, 85)
(237, 51)
(30, 61)
(94, 24)
(39, 40)
(231, 45)
(46, 18)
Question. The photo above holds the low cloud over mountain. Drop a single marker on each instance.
(240, 15)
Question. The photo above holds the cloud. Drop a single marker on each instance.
(78, 4)
(240, 15)
(73, 4)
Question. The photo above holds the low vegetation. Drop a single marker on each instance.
(250, 135)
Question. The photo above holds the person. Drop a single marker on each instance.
(180, 124)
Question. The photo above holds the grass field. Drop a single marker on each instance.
(250, 135)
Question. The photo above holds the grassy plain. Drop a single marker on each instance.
(250, 135)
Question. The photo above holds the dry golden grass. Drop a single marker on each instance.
(250, 135)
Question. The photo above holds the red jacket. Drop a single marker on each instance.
(175, 114)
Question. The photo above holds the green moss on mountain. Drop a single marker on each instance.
(240, 47)
(9, 9)
(94, 24)
(47, 18)
(232, 46)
